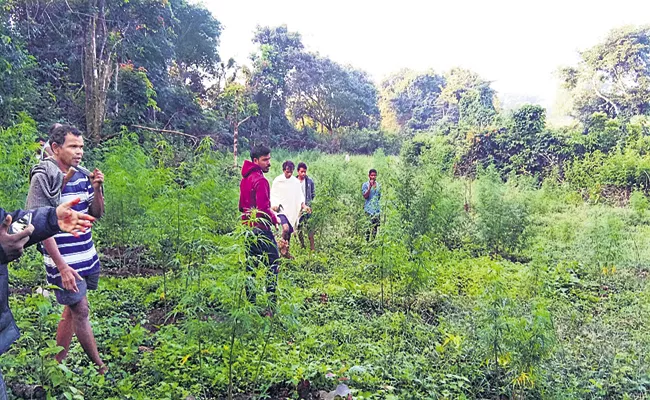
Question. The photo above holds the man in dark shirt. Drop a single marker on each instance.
(255, 206)
(41, 224)
(309, 190)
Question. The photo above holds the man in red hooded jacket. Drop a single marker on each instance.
(255, 206)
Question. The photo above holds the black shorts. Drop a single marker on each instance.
(68, 298)
(375, 219)
(284, 220)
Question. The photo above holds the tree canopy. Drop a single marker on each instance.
(613, 76)
(331, 96)
(104, 65)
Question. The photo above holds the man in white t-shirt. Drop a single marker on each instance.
(288, 202)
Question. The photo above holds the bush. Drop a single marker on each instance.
(428, 148)
(367, 141)
(16, 160)
(639, 203)
(597, 171)
(503, 216)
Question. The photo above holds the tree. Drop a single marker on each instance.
(613, 76)
(476, 107)
(98, 56)
(409, 100)
(17, 92)
(459, 83)
(279, 50)
(529, 120)
(327, 95)
(79, 45)
(195, 60)
(525, 146)
(601, 133)
(422, 101)
(136, 96)
(197, 35)
(236, 105)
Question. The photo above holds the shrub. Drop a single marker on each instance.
(503, 216)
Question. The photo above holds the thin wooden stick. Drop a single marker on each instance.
(166, 131)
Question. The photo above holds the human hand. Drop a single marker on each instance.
(68, 176)
(69, 278)
(12, 244)
(97, 179)
(72, 221)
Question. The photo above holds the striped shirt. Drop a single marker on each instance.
(78, 252)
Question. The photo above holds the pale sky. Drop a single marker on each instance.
(517, 44)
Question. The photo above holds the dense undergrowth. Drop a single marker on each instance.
(474, 289)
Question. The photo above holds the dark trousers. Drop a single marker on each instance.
(375, 221)
(263, 250)
(3, 388)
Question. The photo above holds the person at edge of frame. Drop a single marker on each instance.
(45, 222)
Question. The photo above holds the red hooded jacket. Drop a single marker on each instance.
(255, 192)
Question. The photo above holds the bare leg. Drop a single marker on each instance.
(64, 334)
(302, 238)
(80, 312)
(286, 236)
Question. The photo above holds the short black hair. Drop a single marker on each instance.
(288, 164)
(59, 132)
(302, 165)
(259, 151)
(371, 171)
(40, 139)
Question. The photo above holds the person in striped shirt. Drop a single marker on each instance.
(71, 262)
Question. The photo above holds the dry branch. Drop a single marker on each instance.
(195, 138)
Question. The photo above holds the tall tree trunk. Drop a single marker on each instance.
(235, 142)
(117, 94)
(97, 69)
(336, 138)
(235, 136)
(268, 132)
(594, 84)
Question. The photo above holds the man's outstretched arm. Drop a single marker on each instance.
(46, 222)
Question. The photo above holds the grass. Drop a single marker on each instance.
(444, 304)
